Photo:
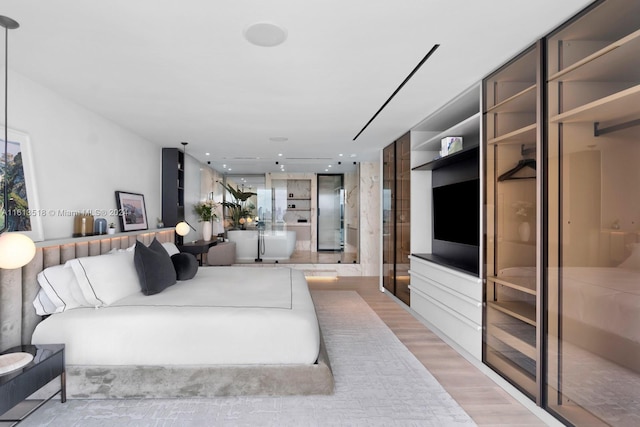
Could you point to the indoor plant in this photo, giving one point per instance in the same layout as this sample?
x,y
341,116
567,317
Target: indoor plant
x,y
206,212
239,210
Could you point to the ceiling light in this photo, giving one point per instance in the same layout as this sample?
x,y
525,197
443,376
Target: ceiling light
x,y
279,154
278,139
340,155
265,34
352,155
329,166
207,154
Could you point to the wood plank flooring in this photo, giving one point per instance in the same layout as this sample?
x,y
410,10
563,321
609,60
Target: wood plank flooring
x,y
486,402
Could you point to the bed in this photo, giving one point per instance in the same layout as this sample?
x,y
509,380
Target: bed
x,y
225,331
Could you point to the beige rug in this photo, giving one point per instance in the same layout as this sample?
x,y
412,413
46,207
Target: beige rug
x,y
378,383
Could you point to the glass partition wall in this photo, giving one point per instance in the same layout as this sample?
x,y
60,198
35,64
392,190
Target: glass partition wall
x,y
295,218
593,275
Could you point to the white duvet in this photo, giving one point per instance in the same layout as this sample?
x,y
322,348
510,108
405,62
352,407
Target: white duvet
x,y
224,315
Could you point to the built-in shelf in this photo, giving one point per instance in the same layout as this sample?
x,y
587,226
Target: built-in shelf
x,y
616,107
515,339
441,162
521,102
523,284
523,135
518,309
617,60
514,372
467,129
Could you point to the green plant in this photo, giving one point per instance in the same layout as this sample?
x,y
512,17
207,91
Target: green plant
x,y
239,210
206,210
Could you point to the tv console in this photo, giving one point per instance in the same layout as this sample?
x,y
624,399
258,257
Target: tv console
x,y
446,286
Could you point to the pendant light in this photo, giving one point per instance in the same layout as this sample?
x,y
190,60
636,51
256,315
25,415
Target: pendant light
x,y
16,250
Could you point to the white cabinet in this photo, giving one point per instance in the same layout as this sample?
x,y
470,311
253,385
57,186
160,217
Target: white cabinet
x,y
450,301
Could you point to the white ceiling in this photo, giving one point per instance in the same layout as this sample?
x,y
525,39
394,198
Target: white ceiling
x,y
182,71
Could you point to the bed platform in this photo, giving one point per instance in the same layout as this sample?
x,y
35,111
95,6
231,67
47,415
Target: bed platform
x,y
197,363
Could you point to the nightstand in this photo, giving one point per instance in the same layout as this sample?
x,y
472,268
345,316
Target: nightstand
x,y
198,248
16,386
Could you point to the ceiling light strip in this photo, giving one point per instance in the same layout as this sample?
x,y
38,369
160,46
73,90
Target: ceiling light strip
x,y
433,49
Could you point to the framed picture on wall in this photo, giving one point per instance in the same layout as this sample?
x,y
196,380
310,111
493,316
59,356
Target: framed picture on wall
x,y
131,211
22,214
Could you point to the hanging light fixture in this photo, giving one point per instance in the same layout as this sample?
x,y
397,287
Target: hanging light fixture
x,y
16,249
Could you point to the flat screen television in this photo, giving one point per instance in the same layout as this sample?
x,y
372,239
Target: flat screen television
x,y
456,212
456,225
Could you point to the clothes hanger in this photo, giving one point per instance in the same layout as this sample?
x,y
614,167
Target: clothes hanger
x,y
522,164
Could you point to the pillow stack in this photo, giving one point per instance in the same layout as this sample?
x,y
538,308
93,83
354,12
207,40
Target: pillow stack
x,y
99,281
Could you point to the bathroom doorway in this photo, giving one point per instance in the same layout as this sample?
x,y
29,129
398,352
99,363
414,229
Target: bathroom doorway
x,y
331,200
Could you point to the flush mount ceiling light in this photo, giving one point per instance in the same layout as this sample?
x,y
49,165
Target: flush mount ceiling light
x,y
265,34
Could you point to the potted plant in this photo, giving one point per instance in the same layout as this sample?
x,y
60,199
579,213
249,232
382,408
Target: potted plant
x,y
239,210
206,212
112,228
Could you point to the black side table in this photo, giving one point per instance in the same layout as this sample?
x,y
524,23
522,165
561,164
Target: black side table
x,y
16,386
198,248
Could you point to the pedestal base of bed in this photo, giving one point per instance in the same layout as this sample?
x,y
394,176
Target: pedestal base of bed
x,y
129,382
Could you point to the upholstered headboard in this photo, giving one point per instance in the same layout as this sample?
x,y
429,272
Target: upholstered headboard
x,y
19,287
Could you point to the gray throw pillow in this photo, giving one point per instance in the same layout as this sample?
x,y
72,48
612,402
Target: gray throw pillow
x,y
154,267
186,265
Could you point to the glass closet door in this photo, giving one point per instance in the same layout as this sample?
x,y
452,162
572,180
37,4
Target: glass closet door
x,y
330,213
511,112
593,276
388,218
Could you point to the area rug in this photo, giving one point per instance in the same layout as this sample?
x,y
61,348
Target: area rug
x,y
378,382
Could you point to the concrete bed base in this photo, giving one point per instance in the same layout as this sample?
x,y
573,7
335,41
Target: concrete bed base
x,y
127,382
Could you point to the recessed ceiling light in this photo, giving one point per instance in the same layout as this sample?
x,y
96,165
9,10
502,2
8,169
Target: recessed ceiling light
x,y
340,155
279,154
207,154
224,166
352,155
329,166
278,138
265,34
326,170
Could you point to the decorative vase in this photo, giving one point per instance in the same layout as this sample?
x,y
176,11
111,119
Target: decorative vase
x,y
524,231
206,231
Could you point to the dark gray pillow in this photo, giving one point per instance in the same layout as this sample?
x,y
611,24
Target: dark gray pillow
x,y
154,267
185,264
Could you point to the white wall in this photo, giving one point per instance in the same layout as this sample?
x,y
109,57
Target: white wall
x,y
80,159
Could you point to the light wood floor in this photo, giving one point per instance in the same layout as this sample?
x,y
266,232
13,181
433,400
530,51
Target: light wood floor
x,y
482,398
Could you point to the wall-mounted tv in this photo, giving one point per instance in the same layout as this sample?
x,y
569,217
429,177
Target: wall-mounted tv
x,y
456,212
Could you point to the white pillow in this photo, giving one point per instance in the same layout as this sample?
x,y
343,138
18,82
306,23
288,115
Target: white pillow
x,y
633,262
61,289
43,304
105,279
171,248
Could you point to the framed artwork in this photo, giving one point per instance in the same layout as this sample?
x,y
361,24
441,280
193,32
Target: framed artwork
x,y
131,211
22,213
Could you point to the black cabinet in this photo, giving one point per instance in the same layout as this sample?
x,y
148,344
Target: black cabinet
x,y
15,387
172,186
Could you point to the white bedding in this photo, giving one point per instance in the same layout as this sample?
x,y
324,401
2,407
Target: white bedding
x,y
224,315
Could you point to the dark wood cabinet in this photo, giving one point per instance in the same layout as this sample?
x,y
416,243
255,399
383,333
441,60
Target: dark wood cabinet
x,y
396,217
172,186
